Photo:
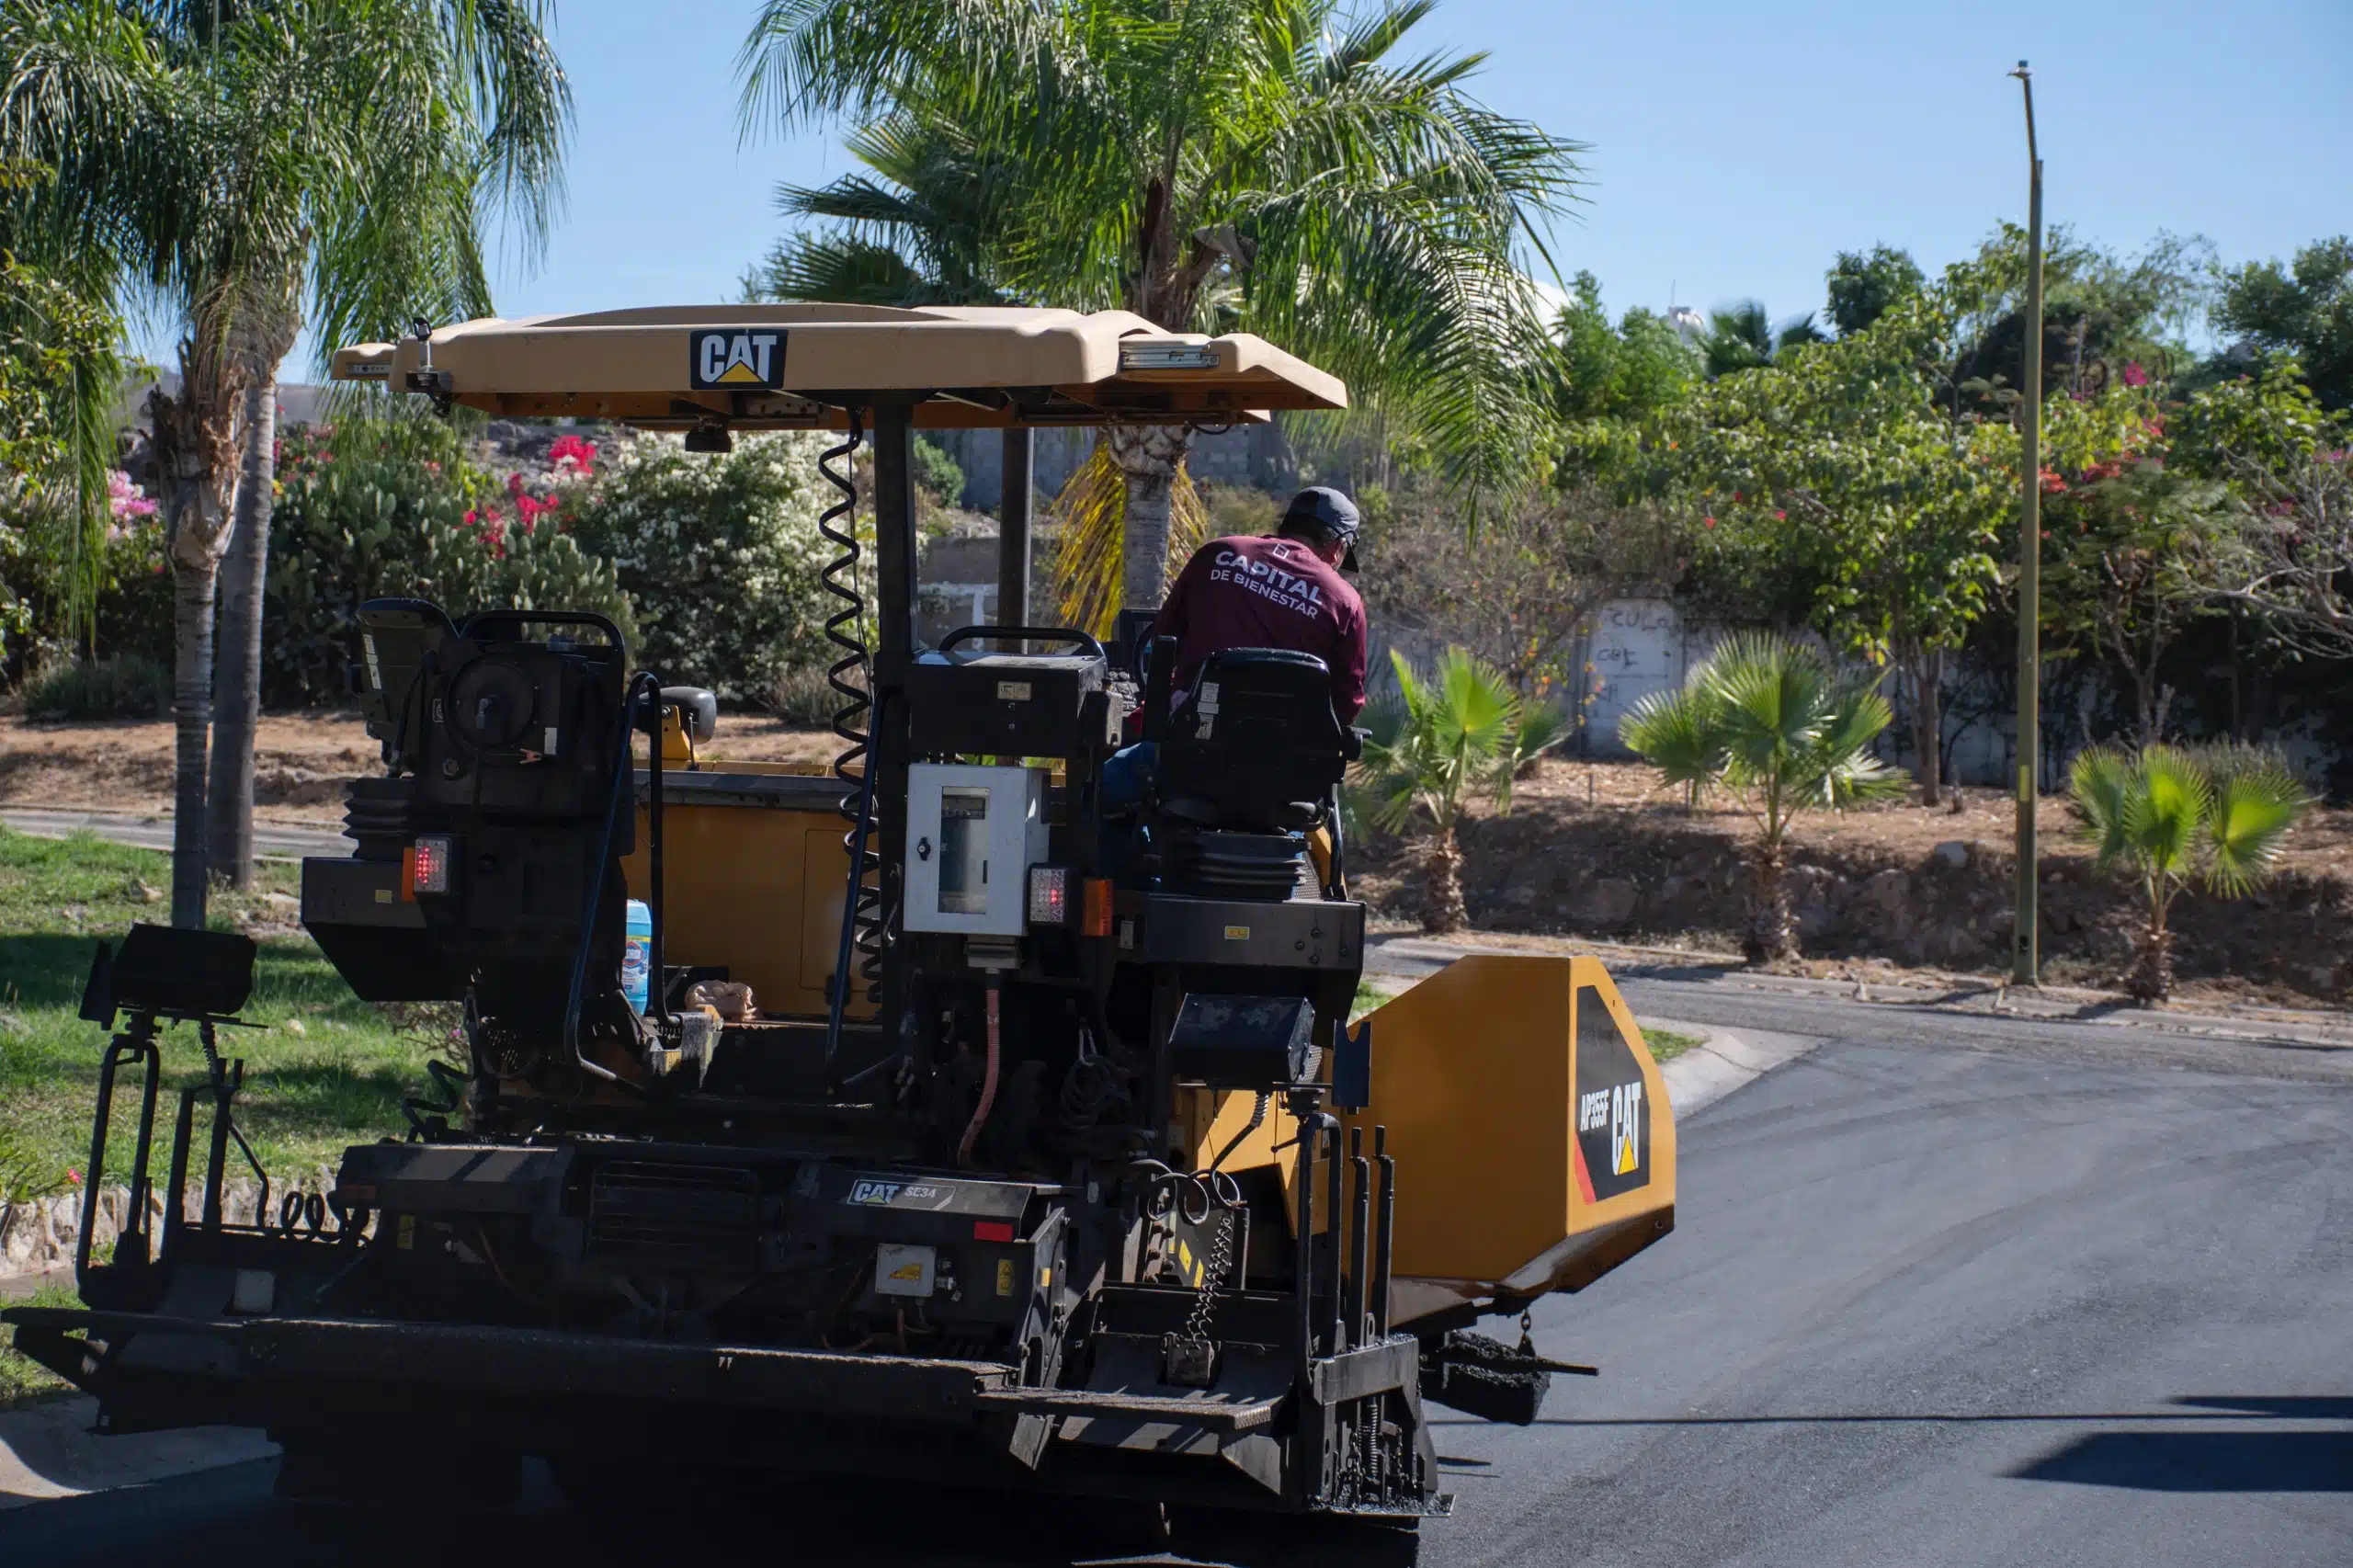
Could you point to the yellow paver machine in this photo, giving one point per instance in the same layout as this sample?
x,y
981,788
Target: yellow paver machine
x,y
949,1121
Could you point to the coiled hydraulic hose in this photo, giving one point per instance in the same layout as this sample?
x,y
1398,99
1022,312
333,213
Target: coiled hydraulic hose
x,y
845,630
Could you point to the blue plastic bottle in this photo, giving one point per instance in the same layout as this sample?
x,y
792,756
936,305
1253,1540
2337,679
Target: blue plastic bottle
x,y
637,954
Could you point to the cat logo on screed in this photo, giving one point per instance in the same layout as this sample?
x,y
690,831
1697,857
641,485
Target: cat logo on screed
x,y
736,357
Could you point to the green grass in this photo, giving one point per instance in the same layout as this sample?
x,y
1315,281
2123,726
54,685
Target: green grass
x,y
23,1382
1667,1045
326,1069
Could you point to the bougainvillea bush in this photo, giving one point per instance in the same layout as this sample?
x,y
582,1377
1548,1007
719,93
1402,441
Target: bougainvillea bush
x,y
395,507
720,554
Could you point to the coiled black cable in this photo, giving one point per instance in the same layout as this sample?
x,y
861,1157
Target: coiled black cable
x,y
845,630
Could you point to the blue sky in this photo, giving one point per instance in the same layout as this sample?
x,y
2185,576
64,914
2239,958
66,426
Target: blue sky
x,y
1735,148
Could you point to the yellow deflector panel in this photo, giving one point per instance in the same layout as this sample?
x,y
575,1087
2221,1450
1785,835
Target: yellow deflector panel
x,y
1535,1145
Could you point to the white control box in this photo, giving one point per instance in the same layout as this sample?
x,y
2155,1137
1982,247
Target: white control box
x,y
972,834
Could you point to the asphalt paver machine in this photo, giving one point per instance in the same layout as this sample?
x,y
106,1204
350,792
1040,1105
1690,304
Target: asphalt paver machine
x,y
969,1129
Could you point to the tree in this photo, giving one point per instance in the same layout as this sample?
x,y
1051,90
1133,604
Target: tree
x,y
1632,370
1776,725
2305,311
1863,287
2287,555
1440,743
1883,510
1267,165
2168,817
250,167
2128,560
1518,592
1742,337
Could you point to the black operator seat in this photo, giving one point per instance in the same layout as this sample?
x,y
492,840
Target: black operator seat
x,y
1257,749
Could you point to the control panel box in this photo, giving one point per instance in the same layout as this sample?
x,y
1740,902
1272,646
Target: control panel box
x,y
1009,704
972,834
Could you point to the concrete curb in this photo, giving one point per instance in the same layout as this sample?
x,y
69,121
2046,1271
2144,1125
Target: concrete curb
x,y
1721,1061
1418,956
48,1451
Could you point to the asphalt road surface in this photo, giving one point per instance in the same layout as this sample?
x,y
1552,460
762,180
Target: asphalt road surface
x,y
1943,1294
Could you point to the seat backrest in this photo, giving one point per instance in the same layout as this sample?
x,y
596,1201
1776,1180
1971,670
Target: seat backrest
x,y
1257,742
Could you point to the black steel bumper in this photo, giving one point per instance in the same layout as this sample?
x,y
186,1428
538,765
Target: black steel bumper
x,y
546,1392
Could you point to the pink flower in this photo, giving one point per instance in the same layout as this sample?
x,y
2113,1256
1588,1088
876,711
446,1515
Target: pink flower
x,y
125,499
74,1175
1781,517
2133,375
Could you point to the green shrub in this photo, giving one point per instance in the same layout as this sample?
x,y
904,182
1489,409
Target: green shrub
x,y
125,687
393,505
720,554
939,475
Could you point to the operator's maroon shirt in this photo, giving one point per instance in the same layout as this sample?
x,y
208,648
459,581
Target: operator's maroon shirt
x,y
1249,592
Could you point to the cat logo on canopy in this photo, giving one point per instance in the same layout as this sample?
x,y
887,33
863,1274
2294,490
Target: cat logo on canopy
x,y
735,357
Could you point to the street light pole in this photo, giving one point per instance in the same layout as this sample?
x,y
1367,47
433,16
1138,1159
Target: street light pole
x,y
2026,959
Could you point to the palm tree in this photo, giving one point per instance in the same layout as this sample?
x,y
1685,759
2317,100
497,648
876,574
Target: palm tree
x,y
1741,336
2170,815
1440,742
250,165
1209,165
1776,725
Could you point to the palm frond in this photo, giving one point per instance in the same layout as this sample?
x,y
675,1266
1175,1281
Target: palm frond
x,y
2255,800
1676,732
2166,809
1091,514
2099,782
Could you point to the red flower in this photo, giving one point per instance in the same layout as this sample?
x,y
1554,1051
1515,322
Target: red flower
x,y
515,484
1708,522
573,450
2053,485
1781,517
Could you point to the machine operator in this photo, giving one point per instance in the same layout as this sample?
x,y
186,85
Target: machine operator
x,y
1282,590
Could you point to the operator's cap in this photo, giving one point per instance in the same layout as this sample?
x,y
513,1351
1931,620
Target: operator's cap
x,y
1322,507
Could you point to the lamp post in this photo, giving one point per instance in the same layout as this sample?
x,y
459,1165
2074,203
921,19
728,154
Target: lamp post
x,y
2025,959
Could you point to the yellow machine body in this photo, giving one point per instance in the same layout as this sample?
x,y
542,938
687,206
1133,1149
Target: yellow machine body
x,y
1533,1136
751,886
1533,1131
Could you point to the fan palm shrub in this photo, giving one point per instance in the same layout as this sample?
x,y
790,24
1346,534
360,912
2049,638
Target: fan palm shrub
x,y
2168,816
1784,732
1439,744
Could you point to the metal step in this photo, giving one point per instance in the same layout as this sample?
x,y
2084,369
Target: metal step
x,y
1212,1413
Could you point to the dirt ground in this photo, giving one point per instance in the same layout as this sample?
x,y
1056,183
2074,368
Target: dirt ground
x,y
1607,849
299,764
1600,849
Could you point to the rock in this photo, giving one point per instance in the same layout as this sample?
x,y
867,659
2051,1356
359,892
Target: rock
x,y
1953,852
284,903
294,1026
1883,904
11,1024
1608,902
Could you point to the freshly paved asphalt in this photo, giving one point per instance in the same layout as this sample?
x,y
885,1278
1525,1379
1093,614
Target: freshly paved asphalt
x,y
1947,1291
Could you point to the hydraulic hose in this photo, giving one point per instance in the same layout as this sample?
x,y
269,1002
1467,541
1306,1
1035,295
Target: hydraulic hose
x,y
862,916
988,1084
